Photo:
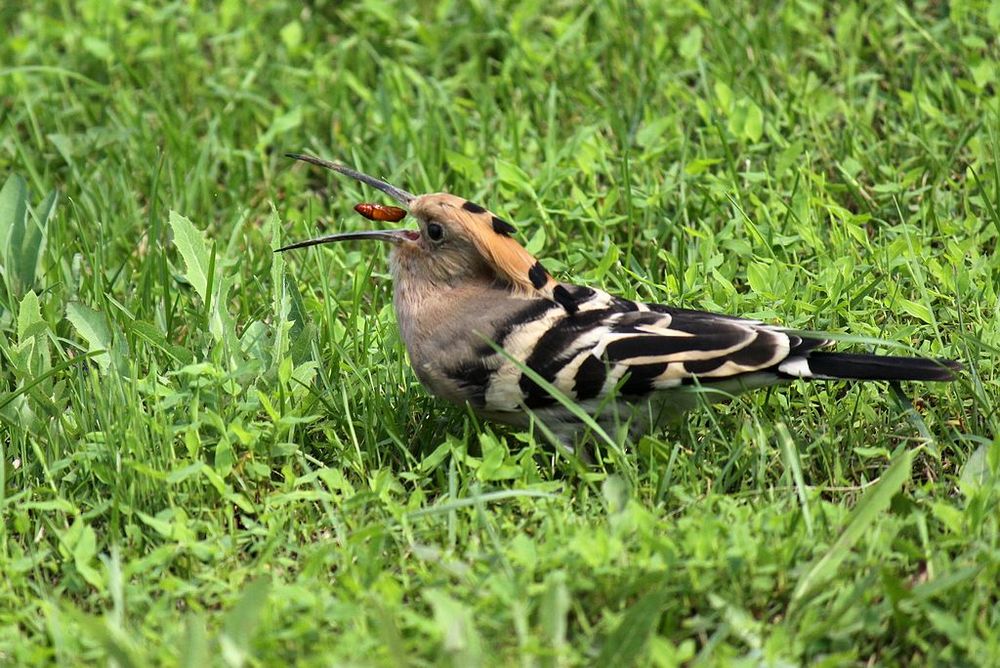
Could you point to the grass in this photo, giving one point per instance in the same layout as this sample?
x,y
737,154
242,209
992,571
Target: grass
x,y
213,452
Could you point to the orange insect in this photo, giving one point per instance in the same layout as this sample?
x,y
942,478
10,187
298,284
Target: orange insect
x,y
381,212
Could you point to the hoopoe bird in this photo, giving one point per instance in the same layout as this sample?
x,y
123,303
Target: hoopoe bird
x,y
475,310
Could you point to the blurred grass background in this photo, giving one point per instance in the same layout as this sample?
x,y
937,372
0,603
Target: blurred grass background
x,y
211,453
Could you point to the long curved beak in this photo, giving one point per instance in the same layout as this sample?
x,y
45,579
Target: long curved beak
x,y
392,191
392,236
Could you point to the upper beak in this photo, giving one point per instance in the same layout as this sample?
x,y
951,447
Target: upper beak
x,y
392,236
397,194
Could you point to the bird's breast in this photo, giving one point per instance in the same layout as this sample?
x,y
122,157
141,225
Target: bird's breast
x,y
452,336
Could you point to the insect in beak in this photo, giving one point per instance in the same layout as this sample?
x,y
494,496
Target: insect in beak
x,y
393,214
370,211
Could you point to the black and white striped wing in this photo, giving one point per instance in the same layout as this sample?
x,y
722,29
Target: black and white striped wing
x,y
638,348
656,350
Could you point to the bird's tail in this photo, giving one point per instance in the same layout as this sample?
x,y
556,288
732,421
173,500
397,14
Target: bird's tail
x,y
851,366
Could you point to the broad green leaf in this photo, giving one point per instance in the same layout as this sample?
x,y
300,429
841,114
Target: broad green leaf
x,y
537,241
302,332
92,326
86,548
747,120
788,158
625,644
241,621
224,457
689,45
655,132
984,72
297,310
455,622
65,145
98,48
724,95
162,527
742,623
431,461
241,501
950,516
221,323
554,611
256,342
607,261
759,278
281,125
193,247
753,128
874,502
151,334
917,310
616,493
181,474
29,317
22,236
700,166
111,638
195,651
291,35
513,175
470,168
25,257
13,209
32,345
976,471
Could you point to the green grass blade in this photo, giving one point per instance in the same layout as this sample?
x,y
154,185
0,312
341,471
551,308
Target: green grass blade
x,y
874,502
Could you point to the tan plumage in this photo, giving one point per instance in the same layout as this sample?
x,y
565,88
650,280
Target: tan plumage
x,y
475,309
489,235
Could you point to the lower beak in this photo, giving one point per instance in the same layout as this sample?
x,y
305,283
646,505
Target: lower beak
x,y
392,236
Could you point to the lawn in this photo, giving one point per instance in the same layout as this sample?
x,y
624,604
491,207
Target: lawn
x,y
214,453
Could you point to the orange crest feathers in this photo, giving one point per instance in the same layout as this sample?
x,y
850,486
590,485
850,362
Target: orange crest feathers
x,y
491,237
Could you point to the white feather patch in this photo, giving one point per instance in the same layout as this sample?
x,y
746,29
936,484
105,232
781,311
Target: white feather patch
x,y
504,391
796,366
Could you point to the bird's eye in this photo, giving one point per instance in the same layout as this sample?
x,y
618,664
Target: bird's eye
x,y
435,232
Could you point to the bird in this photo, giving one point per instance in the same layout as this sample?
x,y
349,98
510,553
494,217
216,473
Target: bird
x,y
486,325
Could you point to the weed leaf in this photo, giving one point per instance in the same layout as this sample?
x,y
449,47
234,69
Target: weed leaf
x,y
92,326
193,247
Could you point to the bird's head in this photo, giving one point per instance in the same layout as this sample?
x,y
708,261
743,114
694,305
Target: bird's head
x,y
456,241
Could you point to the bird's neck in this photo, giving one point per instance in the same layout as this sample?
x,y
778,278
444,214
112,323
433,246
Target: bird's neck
x,y
423,306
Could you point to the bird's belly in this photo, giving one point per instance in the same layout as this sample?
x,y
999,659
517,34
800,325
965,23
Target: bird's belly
x,y
635,415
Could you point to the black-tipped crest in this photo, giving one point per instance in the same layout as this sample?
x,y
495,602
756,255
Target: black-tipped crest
x,y
538,276
501,226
